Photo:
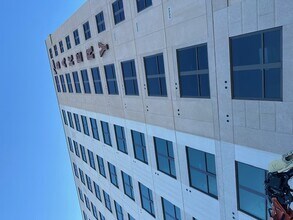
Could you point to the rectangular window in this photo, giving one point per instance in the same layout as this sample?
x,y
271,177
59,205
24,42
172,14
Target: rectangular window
x,y
56,50
68,43
97,191
120,139
256,65
76,37
97,80
80,194
87,30
202,171
107,201
61,46
113,174
129,77
170,211
87,202
83,153
75,170
85,125
119,211
64,117
69,84
111,79
127,185
118,11
147,202
193,72
155,75
76,120
84,216
101,216
63,83
76,149
101,166
165,156
139,146
143,4
70,119
89,183
94,128
57,84
130,217
85,80
251,190
91,159
100,22
106,133
70,144
51,54
95,212
81,176
76,82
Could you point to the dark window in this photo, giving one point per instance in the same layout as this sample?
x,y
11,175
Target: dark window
x,y
202,171
76,149
111,79
76,120
95,212
107,201
87,202
56,50
139,146
51,54
64,117
129,77
61,46
85,80
84,216
89,183
57,84
76,37
80,194
91,159
143,4
119,211
97,191
94,129
193,71
81,176
170,211
130,217
76,82
106,133
69,84
83,153
68,43
146,196
70,119
113,174
75,170
85,125
120,139
251,190
165,156
97,80
101,166
100,22
118,11
70,144
256,65
87,30
63,83
101,216
155,75
127,185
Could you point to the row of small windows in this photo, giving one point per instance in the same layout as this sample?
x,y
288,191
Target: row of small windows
x,y
118,14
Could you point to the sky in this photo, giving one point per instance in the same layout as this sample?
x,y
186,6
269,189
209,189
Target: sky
x,y
36,180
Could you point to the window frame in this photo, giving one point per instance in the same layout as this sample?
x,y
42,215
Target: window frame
x,y
106,133
68,42
144,7
126,185
97,81
94,127
101,25
113,175
85,81
150,199
76,37
112,79
87,30
144,148
122,149
175,209
132,78
119,15
91,159
69,82
76,121
107,200
101,166
85,125
76,82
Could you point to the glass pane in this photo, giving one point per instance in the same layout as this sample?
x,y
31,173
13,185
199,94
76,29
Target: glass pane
x,y
129,87
272,46
151,65
189,86
169,210
202,56
204,85
186,59
198,180
196,159
161,146
213,185
163,164
273,84
161,64
139,153
172,167
211,167
154,87
127,69
163,86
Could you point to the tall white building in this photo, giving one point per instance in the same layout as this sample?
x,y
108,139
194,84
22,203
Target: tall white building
x,y
173,109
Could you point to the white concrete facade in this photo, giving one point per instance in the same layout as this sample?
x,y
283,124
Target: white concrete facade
x,y
249,131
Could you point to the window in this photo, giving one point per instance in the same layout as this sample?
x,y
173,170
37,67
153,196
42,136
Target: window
x,y
94,209
85,125
64,117
119,211
56,50
107,201
143,4
75,170
170,211
129,77
202,171
85,80
63,83
193,72
61,46
70,144
139,146
120,138
76,149
97,191
84,216
113,174
76,120
70,119
251,190
69,84
130,217
127,185
83,154
76,82
81,176
57,84
87,30
51,54
118,11
101,216
87,202
91,159
94,128
106,133
80,194
68,44
76,37
111,79
155,75
146,196
256,65
97,80
101,166
89,183
100,22
165,156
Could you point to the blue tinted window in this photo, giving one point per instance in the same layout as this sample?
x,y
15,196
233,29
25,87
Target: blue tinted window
x,y
76,37
97,191
76,82
68,44
118,11
89,183
87,30
85,125
101,166
57,84
76,120
51,53
80,194
95,212
107,201
97,80
130,217
170,211
87,202
143,4
102,217
81,174
120,139
127,185
56,50
106,133
85,80
64,117
100,22
129,77
83,153
69,84
111,79
75,170
63,83
119,211
146,196
113,174
70,144
70,119
91,159
139,146
76,149
61,46
94,128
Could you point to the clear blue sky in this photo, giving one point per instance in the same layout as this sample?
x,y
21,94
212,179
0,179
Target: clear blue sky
x,y
36,181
